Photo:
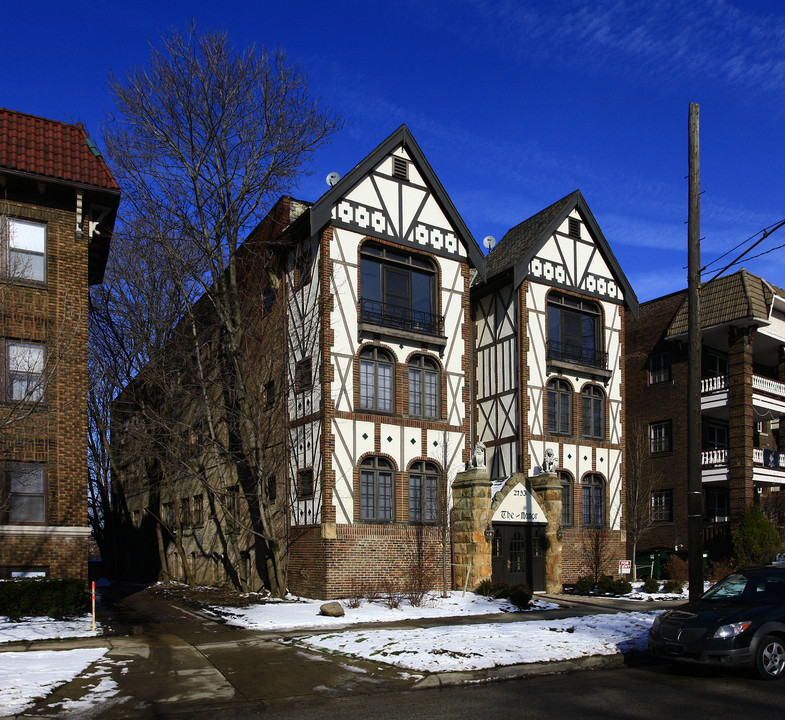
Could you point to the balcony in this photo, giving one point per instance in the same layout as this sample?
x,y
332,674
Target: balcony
x,y
585,361
768,396
387,319
768,466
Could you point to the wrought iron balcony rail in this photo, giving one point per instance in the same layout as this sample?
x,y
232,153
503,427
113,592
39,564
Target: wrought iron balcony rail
x,y
400,317
576,354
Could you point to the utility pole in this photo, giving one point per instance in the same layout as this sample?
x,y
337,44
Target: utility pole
x,y
694,495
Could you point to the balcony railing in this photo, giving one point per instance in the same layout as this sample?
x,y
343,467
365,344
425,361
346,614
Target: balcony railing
x,y
576,354
761,384
400,317
765,458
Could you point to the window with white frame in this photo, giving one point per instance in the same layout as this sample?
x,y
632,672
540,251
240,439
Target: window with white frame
x,y
661,436
659,368
25,371
23,497
423,493
376,489
376,380
424,387
26,250
662,506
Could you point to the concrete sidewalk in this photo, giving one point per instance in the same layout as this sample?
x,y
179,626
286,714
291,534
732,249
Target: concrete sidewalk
x,y
167,660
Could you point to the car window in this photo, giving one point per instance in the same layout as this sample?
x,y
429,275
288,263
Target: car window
x,y
759,589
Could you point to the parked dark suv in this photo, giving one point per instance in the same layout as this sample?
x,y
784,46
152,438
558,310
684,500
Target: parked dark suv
x,y
738,622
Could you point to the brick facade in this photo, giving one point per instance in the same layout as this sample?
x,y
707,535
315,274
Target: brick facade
x,y
49,311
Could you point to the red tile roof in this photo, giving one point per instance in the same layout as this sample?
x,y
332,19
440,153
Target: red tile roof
x,y
50,149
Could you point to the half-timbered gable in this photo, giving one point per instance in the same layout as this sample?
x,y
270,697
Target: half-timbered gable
x,y
548,324
385,321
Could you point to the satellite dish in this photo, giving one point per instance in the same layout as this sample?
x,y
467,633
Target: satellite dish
x,y
489,241
333,178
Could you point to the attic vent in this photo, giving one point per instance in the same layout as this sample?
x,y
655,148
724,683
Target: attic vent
x,y
575,227
400,168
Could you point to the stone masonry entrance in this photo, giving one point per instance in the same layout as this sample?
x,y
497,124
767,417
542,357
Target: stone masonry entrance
x,y
518,555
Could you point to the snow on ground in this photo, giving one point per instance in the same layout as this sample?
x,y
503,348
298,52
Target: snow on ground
x,y
475,647
25,676
301,613
44,628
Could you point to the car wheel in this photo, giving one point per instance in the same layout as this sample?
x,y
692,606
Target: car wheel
x,y
770,658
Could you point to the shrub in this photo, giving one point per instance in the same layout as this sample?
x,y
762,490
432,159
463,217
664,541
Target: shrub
x,y
672,586
521,596
650,585
585,585
622,587
718,569
676,569
608,586
35,597
605,585
393,594
495,590
756,540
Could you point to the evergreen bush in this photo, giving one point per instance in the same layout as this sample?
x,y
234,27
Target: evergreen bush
x,y
756,540
31,597
520,596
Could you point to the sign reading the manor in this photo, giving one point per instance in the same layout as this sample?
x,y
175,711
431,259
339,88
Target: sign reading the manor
x,y
520,506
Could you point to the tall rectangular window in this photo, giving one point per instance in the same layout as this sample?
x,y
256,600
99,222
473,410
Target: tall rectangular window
x,y
23,500
424,390
376,489
423,493
662,506
661,436
26,250
659,368
25,371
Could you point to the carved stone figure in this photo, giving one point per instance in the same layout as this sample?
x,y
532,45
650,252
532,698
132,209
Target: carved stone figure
x,y
549,461
478,457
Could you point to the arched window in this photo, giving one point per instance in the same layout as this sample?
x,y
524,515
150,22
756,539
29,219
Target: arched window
x,y
423,493
593,500
424,387
566,498
376,379
593,401
376,489
560,407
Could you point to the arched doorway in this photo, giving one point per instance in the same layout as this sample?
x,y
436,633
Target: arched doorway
x,y
518,555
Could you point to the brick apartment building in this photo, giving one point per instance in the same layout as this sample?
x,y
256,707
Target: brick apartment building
x,y
58,203
742,403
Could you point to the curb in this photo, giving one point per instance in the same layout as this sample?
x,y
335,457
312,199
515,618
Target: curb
x,y
511,672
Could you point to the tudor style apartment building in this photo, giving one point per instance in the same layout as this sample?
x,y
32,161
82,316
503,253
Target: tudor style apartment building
x,y
742,405
58,202
399,349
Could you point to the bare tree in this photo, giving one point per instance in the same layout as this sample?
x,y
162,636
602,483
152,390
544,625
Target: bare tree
x,y
204,139
597,547
641,481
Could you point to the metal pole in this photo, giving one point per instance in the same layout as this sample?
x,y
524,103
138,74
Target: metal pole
x,y
694,496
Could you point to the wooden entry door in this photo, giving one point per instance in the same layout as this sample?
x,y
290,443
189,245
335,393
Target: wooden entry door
x,y
518,555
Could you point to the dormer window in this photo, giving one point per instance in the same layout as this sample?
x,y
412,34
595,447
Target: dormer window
x,y
398,290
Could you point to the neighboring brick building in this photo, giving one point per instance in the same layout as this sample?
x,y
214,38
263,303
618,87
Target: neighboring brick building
x,y
58,203
742,403
549,341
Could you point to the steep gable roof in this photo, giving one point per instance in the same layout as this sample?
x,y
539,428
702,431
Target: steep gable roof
x,y
728,299
519,244
50,149
321,210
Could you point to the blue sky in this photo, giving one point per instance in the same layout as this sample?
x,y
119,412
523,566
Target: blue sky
x,y
515,104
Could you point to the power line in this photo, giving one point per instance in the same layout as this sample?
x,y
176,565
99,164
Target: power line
x,y
766,232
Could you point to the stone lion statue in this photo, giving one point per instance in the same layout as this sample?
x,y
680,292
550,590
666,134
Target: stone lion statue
x,y
478,457
549,461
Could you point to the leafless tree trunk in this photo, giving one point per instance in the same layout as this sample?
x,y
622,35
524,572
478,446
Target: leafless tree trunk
x,y
204,139
596,547
641,481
